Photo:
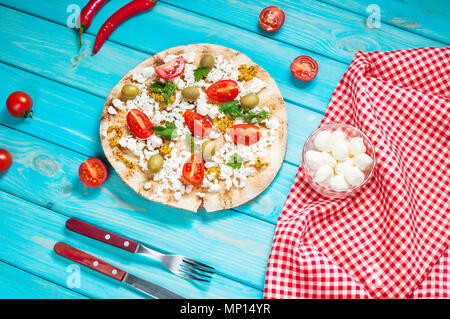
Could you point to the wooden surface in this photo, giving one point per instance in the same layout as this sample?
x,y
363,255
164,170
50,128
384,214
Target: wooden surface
x,y
39,55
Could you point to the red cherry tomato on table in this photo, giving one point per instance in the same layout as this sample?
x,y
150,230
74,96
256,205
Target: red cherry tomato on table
x,y
139,124
223,91
5,160
197,124
171,69
271,18
92,172
304,68
194,169
19,104
245,134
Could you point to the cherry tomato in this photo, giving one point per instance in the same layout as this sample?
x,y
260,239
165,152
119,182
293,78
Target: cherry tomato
x,y
92,172
223,91
139,124
304,68
197,124
194,169
245,134
19,104
5,160
271,18
171,69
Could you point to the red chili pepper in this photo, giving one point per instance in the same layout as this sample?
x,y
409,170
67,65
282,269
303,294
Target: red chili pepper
x,y
124,13
88,13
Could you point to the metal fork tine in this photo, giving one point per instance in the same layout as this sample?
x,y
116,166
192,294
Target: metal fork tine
x,y
184,275
190,265
196,263
189,270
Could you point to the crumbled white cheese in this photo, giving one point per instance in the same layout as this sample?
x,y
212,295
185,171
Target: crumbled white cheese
x,y
147,186
112,110
273,123
118,104
189,57
199,194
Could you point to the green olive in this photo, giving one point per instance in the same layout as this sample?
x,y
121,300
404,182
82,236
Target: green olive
x,y
155,163
250,100
207,61
191,93
129,91
208,150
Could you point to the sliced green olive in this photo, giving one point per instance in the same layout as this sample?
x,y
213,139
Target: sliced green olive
x,y
191,93
249,101
207,61
155,163
208,150
129,91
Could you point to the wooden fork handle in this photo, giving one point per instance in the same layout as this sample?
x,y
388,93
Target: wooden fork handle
x,y
89,261
102,235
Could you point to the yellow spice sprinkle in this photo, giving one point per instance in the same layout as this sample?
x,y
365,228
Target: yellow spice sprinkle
x,y
159,97
223,123
127,162
260,164
165,150
213,170
247,73
117,136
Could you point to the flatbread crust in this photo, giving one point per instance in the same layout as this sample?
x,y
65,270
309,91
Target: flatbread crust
x,y
135,178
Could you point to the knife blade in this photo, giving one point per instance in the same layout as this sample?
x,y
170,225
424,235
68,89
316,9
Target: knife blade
x,y
149,288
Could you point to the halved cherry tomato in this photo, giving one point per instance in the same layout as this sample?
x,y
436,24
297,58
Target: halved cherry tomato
x,y
304,68
271,18
245,134
5,160
171,69
197,124
223,91
139,124
194,169
93,172
19,104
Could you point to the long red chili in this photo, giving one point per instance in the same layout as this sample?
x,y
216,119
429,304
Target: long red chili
x,y
87,14
124,13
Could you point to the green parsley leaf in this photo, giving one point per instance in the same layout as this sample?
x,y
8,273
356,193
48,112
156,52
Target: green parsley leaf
x,y
232,108
235,161
257,117
168,89
166,132
201,73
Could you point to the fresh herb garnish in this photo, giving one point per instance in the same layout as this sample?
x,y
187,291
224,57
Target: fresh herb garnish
x,y
166,132
235,161
234,109
190,141
167,89
201,73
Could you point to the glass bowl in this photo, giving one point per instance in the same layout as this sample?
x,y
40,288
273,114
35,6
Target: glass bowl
x,y
349,131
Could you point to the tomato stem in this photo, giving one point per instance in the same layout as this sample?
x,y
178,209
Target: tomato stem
x,y
27,114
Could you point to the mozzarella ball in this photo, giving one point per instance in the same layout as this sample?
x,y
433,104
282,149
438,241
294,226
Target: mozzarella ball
x,y
323,174
328,159
353,175
314,160
362,161
338,182
322,142
340,166
356,146
340,150
337,135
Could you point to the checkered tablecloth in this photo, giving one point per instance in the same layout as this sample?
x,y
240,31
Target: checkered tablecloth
x,y
391,239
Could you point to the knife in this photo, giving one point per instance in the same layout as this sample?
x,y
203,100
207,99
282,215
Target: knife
x,y
104,268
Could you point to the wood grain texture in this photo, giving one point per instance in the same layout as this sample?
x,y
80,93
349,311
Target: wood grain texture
x,y
18,284
428,18
42,228
237,245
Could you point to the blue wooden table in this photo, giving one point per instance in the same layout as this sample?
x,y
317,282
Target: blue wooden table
x,y
39,55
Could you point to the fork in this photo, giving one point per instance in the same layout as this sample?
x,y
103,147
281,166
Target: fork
x,y
177,264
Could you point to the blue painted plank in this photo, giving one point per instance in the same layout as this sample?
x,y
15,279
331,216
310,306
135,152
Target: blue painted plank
x,y
29,42
16,283
236,244
28,243
427,18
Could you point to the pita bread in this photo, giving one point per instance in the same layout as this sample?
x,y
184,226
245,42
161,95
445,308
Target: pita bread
x,y
136,178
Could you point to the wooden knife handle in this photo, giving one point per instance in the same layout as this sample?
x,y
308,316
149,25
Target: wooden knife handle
x,y
102,235
87,260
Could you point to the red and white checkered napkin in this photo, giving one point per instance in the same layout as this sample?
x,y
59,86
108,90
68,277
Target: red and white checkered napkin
x,y
391,239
